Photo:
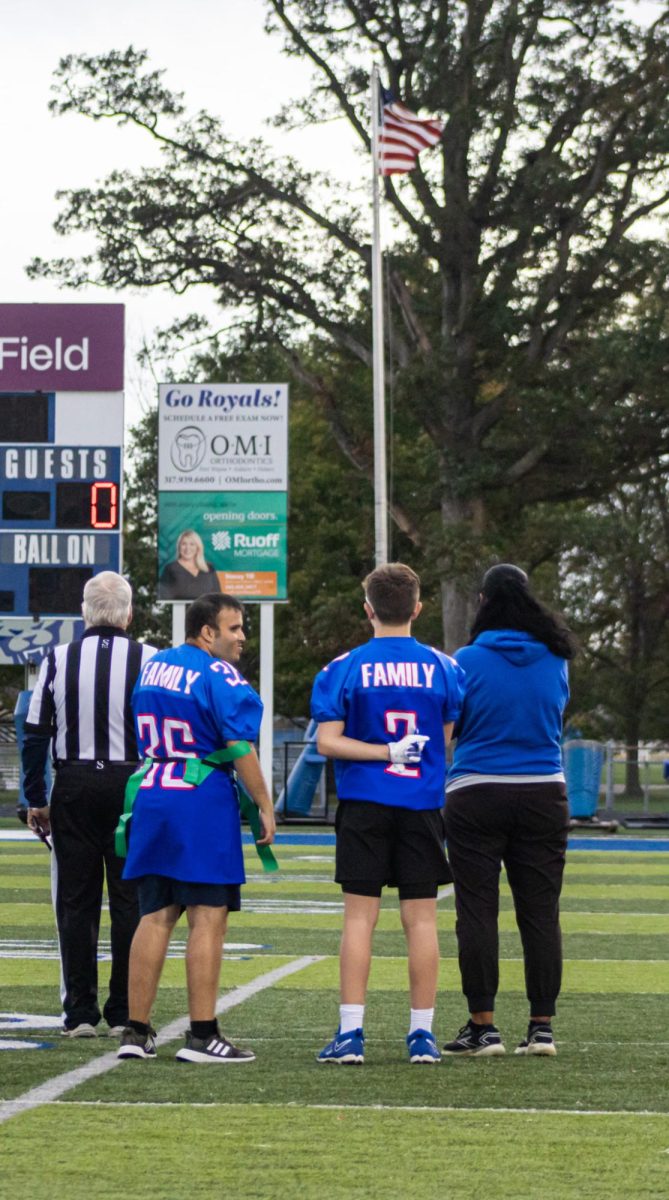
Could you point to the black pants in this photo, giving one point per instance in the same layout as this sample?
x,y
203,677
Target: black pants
x,y
86,803
525,827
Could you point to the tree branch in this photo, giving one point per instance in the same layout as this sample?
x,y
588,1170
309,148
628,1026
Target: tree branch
x,y
349,448
526,463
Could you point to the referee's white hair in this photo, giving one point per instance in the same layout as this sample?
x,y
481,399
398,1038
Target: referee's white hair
x,y
107,600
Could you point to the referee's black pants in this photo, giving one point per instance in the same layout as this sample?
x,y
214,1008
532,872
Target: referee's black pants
x,y
86,803
525,827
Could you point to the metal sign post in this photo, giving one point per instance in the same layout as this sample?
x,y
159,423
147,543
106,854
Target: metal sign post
x,y
178,624
267,690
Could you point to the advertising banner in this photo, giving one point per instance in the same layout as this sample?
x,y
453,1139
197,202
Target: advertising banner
x,y
219,437
222,490
61,347
244,541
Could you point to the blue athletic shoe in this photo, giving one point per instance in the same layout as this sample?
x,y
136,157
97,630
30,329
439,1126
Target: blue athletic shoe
x,y
423,1047
345,1048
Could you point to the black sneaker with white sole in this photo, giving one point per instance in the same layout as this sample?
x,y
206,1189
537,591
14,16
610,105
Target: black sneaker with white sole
x,y
476,1041
214,1049
539,1041
137,1045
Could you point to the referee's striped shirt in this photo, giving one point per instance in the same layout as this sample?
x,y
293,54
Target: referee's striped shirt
x,y
82,697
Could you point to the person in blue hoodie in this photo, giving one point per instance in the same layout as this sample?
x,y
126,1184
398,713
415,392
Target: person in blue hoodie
x,y
506,803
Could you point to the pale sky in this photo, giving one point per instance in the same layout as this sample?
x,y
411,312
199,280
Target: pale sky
x,y
215,51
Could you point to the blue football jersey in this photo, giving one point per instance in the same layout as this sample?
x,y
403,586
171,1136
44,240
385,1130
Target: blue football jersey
x,y
188,705
382,691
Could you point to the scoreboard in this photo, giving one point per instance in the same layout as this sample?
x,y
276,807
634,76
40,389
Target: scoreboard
x,y
60,500
60,476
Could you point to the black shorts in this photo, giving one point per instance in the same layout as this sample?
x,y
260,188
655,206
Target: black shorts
x,y
380,845
159,891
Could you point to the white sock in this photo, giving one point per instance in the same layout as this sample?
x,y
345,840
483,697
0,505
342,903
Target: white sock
x,y
421,1018
351,1017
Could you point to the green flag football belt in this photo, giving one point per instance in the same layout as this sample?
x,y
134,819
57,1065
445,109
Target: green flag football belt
x,y
195,773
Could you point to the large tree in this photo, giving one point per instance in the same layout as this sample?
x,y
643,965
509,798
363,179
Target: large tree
x,y
520,368
616,583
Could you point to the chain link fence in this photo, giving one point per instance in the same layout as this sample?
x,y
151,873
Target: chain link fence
x,y
635,780
9,761
303,799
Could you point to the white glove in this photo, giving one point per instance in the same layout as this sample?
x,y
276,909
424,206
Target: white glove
x,y
409,749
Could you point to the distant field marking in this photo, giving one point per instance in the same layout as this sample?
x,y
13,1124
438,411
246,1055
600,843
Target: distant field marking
x,y
320,858
406,1108
11,951
625,845
47,1093
604,912
565,912
290,881
445,891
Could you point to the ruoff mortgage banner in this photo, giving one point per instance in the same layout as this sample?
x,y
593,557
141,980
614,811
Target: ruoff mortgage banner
x,y
222,499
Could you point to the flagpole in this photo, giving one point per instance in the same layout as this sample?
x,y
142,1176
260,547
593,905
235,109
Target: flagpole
x,y
380,471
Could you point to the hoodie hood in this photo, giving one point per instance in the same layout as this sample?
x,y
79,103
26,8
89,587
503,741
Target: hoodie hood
x,y
514,645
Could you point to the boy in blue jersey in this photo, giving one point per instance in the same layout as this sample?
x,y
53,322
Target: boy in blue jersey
x,y
385,712
186,847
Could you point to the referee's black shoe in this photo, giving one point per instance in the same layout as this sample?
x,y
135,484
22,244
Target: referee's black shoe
x,y
476,1041
137,1045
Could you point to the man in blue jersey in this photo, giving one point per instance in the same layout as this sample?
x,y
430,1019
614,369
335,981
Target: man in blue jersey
x,y
185,846
385,712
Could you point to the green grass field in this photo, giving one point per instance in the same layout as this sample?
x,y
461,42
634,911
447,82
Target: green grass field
x,y
590,1123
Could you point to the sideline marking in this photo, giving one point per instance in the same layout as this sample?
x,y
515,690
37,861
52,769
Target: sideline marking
x,y
445,891
47,1092
9,1044
24,1022
596,844
405,1108
46,950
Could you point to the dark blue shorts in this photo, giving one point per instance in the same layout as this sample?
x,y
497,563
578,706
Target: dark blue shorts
x,y
158,891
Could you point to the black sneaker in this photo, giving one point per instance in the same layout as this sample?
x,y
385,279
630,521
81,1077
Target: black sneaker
x,y
215,1049
539,1040
137,1045
477,1040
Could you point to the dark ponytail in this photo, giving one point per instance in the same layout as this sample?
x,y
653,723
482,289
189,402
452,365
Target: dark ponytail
x,y
507,603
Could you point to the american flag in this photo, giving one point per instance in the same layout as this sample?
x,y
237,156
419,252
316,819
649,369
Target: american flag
x,y
403,135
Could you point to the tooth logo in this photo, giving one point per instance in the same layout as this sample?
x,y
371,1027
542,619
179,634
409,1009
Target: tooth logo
x,y
188,448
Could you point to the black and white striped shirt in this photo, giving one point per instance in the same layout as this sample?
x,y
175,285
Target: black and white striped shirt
x,y
82,697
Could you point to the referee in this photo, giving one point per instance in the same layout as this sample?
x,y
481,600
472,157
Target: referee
x,y
82,702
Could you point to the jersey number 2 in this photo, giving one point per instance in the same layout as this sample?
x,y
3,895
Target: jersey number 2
x,y
399,724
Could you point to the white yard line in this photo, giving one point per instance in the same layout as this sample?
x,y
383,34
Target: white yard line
x,y
47,1093
297,908
404,1108
244,952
